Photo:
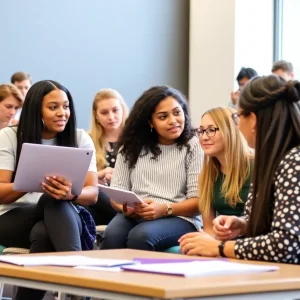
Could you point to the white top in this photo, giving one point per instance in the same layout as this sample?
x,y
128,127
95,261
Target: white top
x,y
8,150
170,178
18,114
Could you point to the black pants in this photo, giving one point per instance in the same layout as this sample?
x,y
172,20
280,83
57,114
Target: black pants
x,y
50,225
102,212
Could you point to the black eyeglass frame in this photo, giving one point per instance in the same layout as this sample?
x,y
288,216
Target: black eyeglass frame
x,y
200,132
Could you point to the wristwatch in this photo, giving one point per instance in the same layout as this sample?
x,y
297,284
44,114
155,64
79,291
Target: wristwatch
x,y
169,210
74,198
221,248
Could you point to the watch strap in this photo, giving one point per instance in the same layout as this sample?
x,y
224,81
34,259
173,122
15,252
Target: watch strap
x,y
169,210
74,198
221,248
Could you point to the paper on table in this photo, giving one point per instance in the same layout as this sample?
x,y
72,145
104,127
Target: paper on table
x,y
171,260
66,261
111,269
200,268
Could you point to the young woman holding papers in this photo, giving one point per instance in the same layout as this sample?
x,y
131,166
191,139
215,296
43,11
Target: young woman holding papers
x,y
159,160
45,222
108,120
268,115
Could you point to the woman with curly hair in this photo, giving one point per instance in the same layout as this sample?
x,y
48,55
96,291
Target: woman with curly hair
x,y
159,159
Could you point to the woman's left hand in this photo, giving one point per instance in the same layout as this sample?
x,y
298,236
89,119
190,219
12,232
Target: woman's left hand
x,y
59,188
150,210
199,243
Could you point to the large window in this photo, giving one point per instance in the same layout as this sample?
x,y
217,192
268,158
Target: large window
x,y
289,33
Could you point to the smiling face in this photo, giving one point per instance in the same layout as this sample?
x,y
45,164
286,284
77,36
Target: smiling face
x,y
109,114
55,113
8,108
168,121
212,146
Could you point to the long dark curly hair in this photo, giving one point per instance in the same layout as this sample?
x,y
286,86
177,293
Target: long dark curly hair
x,y
137,137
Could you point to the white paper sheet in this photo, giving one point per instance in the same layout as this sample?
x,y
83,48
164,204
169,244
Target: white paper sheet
x,y
66,261
111,269
201,268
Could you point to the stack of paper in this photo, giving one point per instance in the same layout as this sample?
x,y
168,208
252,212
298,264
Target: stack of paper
x,y
65,261
200,268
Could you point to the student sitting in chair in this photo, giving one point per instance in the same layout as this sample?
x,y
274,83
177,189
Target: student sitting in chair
x,y
269,119
11,101
108,120
45,222
159,160
225,178
23,82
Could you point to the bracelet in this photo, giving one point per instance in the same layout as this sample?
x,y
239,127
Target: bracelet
x,y
221,248
74,198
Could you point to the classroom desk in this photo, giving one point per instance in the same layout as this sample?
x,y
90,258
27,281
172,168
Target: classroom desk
x,y
280,285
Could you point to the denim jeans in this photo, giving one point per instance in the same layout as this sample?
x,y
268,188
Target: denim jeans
x,y
155,235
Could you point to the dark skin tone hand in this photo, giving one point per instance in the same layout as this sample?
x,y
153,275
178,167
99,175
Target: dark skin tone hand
x,y
58,188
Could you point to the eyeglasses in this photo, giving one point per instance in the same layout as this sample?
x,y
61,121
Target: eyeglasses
x,y
210,132
236,117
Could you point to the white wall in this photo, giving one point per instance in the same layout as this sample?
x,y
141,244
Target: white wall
x,y
211,65
225,36
290,32
254,35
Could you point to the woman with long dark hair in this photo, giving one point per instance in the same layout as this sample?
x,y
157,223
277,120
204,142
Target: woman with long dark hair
x,y
159,159
54,220
269,118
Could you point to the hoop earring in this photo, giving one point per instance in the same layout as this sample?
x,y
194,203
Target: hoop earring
x,y
43,123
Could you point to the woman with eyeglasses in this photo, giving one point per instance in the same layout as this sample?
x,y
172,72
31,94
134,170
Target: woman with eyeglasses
x,y
269,118
225,177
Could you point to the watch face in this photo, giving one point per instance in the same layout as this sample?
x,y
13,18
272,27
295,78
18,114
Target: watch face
x,y
169,210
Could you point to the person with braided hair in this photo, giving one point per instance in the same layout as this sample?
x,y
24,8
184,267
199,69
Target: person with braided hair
x,y
269,230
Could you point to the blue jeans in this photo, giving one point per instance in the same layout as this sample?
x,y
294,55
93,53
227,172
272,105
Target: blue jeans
x,y
155,235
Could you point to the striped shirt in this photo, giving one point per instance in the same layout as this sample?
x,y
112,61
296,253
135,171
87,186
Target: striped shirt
x,y
170,178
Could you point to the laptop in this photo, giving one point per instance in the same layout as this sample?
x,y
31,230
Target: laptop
x,y
38,161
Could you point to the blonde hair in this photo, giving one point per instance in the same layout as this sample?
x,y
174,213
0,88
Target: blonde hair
x,y
7,90
237,158
97,132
